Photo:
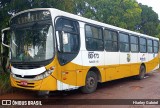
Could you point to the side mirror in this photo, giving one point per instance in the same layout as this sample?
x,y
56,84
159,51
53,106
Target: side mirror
x,y
65,38
3,35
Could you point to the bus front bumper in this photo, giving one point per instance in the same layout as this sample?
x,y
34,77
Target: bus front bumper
x,y
46,84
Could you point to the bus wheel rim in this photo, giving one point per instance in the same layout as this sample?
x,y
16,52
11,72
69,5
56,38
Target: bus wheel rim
x,y
91,82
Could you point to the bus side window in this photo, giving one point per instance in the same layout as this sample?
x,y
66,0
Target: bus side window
x,y
156,46
150,46
111,40
143,45
94,38
123,42
134,43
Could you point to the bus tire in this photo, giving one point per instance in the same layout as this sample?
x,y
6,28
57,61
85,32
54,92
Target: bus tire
x,y
142,72
90,83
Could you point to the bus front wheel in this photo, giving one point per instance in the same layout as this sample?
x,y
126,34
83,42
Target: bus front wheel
x,y
142,72
90,83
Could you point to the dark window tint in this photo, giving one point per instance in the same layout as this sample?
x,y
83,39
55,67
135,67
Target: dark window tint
x,y
111,40
156,46
143,45
94,40
66,25
134,43
150,46
123,42
68,40
68,35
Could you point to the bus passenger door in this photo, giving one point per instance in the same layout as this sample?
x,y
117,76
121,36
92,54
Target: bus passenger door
x,y
68,46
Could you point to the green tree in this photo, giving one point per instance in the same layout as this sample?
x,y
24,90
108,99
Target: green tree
x,y
149,21
122,13
4,18
158,29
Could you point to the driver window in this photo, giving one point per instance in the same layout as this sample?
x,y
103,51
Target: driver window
x,y
67,35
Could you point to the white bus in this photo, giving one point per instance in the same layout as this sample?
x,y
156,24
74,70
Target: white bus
x,y
54,50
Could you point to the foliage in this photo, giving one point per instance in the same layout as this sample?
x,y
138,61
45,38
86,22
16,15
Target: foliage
x,y
122,13
149,21
4,82
158,29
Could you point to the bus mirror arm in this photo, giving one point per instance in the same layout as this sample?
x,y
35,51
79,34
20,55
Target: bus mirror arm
x,y
6,29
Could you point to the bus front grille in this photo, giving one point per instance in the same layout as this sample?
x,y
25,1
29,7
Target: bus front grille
x,y
20,66
26,76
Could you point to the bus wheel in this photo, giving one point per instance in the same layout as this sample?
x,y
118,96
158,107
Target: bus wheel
x,y
91,83
142,72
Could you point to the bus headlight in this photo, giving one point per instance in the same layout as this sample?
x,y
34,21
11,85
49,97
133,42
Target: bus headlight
x,y
43,75
13,75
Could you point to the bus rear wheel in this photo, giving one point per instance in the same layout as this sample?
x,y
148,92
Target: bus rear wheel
x,y
91,83
142,73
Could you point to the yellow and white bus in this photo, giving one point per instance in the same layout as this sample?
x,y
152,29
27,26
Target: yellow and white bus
x,y
54,50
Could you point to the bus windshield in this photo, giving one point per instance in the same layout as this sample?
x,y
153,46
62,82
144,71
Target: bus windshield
x,y
32,43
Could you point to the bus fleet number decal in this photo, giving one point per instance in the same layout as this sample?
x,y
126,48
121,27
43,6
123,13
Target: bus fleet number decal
x,y
92,56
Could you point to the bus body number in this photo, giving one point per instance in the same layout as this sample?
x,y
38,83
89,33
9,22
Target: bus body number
x,y
92,55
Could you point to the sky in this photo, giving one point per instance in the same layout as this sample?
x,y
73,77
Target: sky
x,y
155,4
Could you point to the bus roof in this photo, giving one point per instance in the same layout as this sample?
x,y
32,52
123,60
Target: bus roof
x,y
82,19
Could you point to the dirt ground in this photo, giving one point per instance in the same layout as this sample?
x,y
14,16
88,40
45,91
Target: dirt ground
x,y
127,88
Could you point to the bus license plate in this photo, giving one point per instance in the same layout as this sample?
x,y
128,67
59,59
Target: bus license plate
x,y
25,83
